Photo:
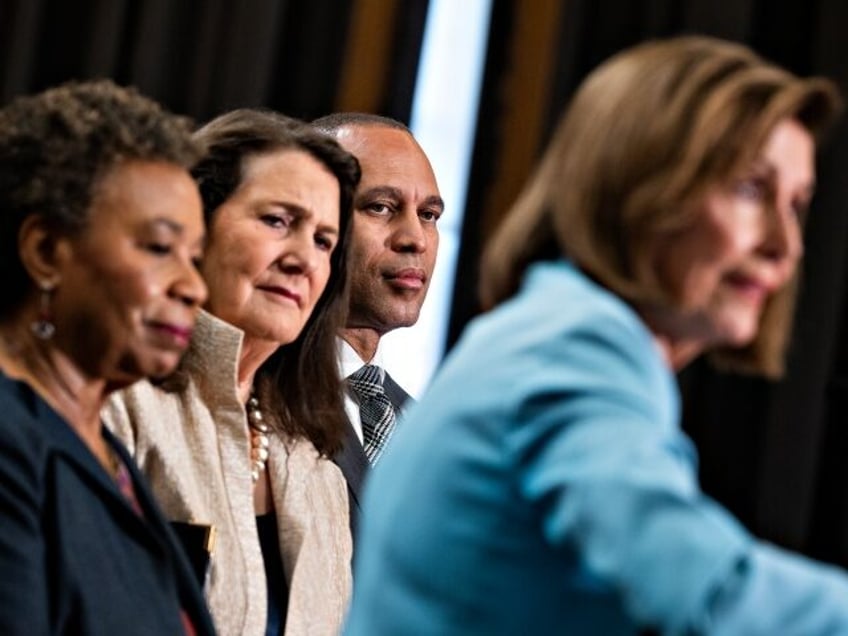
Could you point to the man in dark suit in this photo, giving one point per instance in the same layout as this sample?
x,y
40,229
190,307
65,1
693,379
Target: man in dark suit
x,y
393,248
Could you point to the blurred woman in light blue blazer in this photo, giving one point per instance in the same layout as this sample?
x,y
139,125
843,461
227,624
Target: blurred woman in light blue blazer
x,y
543,485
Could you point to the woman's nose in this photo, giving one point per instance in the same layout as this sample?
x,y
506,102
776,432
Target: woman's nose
x,y
782,235
190,286
300,253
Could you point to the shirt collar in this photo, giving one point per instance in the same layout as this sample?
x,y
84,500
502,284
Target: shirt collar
x,y
350,362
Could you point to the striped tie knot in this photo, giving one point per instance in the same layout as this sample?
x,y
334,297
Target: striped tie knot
x,y
376,411
367,382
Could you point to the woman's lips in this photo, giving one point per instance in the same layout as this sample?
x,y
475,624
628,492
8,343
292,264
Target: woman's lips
x,y
749,287
282,293
173,334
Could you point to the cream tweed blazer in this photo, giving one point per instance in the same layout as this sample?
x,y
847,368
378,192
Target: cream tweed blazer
x,y
193,446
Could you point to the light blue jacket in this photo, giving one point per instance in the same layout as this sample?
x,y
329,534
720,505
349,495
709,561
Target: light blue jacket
x,y
543,486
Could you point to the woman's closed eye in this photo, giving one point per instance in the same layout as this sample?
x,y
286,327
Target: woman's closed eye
x,y
158,248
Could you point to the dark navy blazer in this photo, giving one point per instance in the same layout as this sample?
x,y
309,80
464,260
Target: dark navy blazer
x,y
75,558
353,462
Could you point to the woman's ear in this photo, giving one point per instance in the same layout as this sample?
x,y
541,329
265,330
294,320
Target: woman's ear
x,y
39,248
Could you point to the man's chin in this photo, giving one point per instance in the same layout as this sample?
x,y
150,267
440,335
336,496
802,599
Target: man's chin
x,y
387,319
406,316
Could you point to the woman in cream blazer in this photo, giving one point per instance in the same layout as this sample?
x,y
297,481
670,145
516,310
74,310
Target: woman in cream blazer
x,y
236,445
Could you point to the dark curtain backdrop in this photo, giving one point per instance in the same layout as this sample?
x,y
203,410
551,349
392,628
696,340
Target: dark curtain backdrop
x,y
772,452
201,57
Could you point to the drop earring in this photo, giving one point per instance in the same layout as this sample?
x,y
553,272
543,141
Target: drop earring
x,y
43,326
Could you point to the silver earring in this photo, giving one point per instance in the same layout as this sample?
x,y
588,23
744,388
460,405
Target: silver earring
x,y
43,326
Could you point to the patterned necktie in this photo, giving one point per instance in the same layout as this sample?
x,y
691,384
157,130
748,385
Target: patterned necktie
x,y
375,410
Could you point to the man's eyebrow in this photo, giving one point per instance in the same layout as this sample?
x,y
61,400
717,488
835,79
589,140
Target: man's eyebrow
x,y
435,202
392,192
382,191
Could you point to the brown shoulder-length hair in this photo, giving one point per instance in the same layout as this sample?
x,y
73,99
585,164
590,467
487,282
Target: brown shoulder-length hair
x,y
300,383
645,136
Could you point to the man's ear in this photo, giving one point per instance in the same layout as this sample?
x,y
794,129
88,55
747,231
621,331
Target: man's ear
x,y
39,248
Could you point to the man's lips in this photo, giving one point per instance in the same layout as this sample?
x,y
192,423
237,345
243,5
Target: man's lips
x,y
406,278
281,293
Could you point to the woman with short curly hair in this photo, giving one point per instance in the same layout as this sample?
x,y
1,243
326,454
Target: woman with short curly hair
x,y
100,230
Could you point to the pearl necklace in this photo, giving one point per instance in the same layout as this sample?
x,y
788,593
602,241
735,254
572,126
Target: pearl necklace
x,y
258,438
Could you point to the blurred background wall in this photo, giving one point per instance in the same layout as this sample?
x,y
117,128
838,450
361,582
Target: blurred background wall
x,y
775,453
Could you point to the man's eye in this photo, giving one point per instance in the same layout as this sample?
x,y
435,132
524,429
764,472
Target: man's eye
x,y
378,208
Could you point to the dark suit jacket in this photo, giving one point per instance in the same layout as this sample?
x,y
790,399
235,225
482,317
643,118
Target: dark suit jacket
x,y
353,462
75,557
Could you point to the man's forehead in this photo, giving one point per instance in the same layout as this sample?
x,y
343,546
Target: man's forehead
x,y
389,157
376,138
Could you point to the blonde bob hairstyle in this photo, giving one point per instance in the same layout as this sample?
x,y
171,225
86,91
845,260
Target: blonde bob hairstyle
x,y
645,136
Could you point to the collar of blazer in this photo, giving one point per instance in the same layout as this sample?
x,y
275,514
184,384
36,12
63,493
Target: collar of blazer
x,y
61,443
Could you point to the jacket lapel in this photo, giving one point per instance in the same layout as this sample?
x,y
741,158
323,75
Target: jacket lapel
x,y
352,461
397,396
66,443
